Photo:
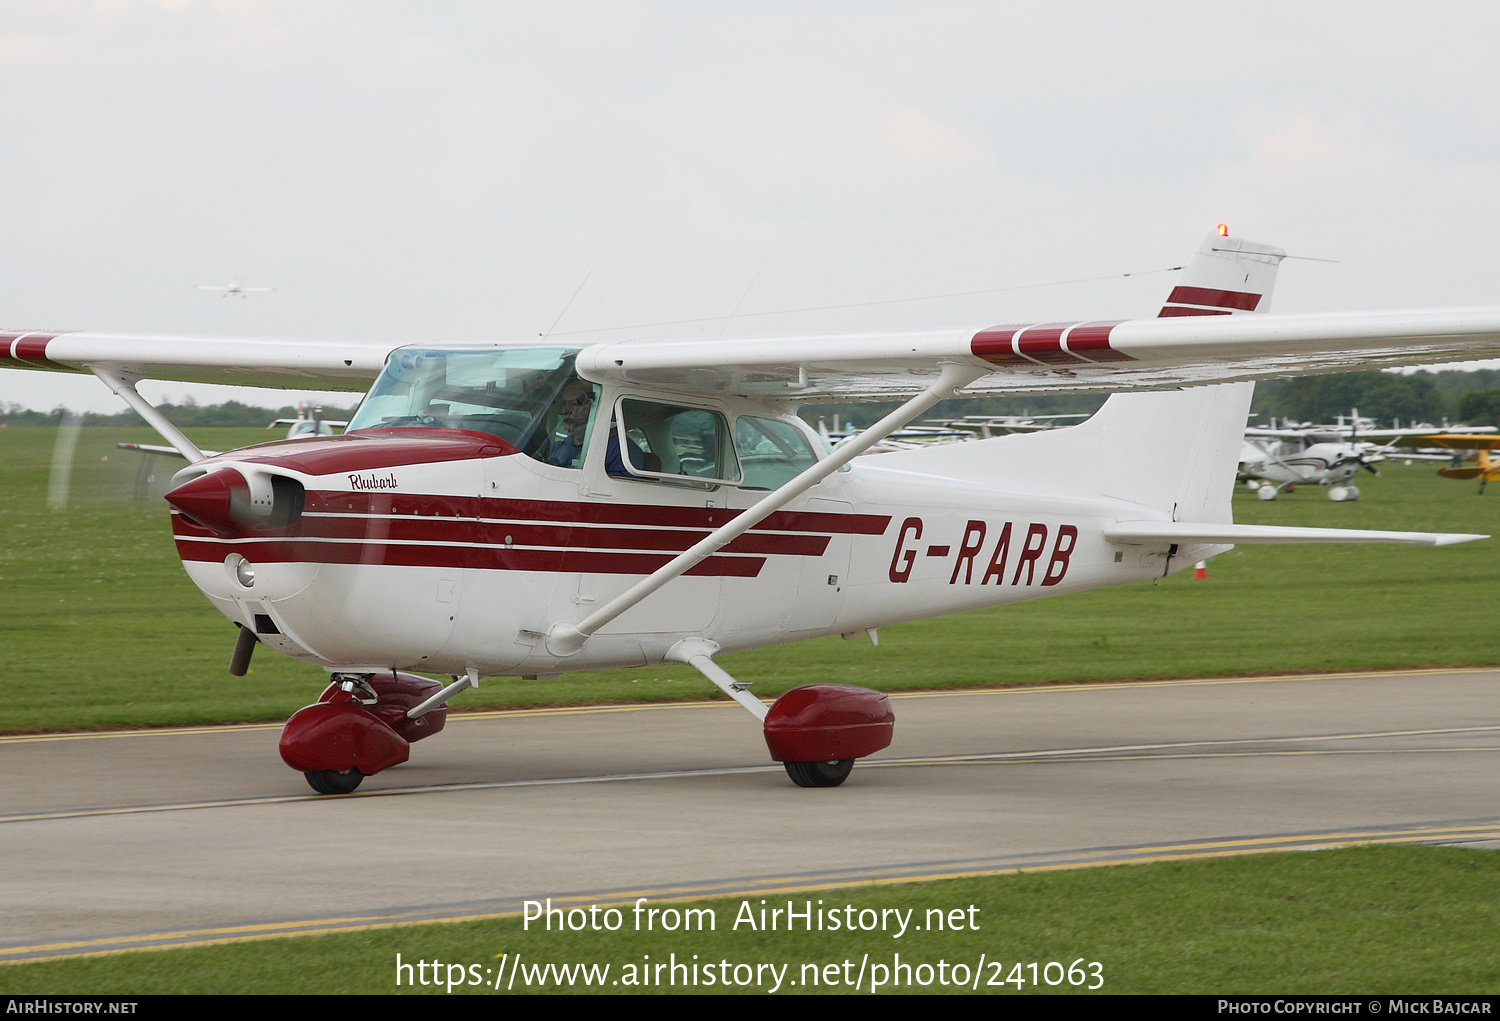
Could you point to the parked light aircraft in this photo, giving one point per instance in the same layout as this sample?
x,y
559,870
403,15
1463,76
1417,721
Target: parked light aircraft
x,y
309,422
531,508
1485,468
1282,458
1323,455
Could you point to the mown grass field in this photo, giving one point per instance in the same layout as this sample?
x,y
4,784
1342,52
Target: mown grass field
x,y
1370,920
99,626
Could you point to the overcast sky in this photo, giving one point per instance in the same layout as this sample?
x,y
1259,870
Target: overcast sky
x,y
452,171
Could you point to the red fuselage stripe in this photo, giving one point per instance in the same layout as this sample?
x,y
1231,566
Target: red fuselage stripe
x,y
531,511
375,529
490,558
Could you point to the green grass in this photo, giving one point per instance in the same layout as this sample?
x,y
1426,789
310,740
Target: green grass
x,y
100,627
1360,920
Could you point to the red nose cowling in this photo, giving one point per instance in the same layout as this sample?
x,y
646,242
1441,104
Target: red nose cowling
x,y
211,500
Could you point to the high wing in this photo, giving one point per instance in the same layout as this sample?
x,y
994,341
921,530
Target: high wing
x,y
1137,354
239,361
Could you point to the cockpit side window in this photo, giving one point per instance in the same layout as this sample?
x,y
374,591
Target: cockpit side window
x,y
672,442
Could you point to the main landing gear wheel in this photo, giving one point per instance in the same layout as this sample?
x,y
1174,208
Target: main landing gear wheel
x,y
331,781
818,774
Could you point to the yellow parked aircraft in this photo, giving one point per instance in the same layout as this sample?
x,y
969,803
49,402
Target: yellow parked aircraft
x,y
1484,468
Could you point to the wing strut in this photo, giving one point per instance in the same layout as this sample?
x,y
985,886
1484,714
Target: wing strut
x,y
126,391
565,639
698,653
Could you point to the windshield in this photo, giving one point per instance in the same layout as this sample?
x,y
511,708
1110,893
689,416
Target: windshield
x,y
514,394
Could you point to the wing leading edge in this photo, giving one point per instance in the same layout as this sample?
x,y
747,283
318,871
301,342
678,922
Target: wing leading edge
x,y
1137,354
238,361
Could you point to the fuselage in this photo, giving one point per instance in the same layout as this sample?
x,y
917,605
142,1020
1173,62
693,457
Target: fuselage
x,y
436,546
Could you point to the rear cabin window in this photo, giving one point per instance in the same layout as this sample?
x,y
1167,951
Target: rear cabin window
x,y
771,452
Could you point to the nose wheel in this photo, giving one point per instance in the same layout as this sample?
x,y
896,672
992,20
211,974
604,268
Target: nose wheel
x,y
819,774
328,781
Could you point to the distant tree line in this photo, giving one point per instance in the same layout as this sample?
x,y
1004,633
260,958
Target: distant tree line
x,y
1471,397
189,414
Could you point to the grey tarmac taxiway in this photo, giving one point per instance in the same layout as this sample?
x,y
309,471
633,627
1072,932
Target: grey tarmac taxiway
x,y
170,837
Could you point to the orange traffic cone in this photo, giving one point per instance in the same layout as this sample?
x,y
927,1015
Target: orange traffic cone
x,y
1200,571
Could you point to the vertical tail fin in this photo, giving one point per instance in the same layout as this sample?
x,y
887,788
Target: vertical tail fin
x,y
1226,276
1186,445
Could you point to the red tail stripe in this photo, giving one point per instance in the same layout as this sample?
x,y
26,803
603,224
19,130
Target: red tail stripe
x,y
1174,311
1244,301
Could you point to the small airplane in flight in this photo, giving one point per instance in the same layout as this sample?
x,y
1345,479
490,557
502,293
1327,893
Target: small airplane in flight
x,y
234,289
530,508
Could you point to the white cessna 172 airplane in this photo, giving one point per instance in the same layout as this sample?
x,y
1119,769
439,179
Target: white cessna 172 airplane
x,y
531,509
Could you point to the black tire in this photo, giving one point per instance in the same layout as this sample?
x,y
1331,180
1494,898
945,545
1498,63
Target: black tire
x,y
819,774
330,781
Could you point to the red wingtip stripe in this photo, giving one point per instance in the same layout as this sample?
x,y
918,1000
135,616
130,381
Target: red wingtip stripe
x,y
1048,344
1044,344
1090,341
995,345
25,349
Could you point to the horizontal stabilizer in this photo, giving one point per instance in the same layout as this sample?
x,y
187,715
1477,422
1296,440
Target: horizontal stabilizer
x,y
1206,533
151,448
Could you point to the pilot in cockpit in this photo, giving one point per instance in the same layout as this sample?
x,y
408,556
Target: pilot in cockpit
x,y
575,402
574,406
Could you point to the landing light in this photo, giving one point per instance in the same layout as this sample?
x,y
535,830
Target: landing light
x,y
242,569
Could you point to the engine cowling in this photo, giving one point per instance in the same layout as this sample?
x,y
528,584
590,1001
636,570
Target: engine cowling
x,y
234,499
